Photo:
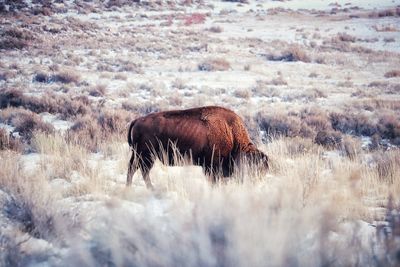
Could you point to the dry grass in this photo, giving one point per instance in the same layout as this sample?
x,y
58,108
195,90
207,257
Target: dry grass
x,y
63,194
285,200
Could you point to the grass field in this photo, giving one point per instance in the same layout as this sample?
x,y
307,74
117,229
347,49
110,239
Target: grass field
x,y
317,85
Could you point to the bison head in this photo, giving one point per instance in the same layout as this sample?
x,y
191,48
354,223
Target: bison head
x,y
256,160
259,159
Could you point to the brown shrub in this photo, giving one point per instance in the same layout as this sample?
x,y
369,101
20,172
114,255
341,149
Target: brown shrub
x,y
293,53
120,3
45,10
329,139
64,105
385,28
218,64
318,122
277,81
195,18
242,93
85,132
25,122
120,76
379,84
141,107
391,12
42,77
14,38
389,126
92,131
66,77
352,124
345,37
11,98
7,141
114,122
215,29
237,1
281,125
98,91
392,73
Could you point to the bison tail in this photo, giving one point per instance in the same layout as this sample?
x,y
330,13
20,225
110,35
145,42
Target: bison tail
x,y
130,141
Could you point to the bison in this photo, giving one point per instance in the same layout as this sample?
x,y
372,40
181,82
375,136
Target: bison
x,y
212,137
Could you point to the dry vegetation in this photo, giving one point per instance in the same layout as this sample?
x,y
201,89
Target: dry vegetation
x,y
319,93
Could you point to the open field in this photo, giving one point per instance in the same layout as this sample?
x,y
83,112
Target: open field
x,y
317,84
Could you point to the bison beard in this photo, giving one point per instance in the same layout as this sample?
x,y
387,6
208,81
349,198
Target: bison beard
x,y
212,137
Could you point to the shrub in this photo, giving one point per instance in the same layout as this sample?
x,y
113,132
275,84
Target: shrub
x,y
66,77
293,53
352,124
11,98
14,38
214,65
389,126
99,90
85,132
243,93
280,125
114,122
91,132
329,139
237,1
392,73
277,81
318,122
62,77
66,106
42,77
385,28
344,37
195,18
391,12
7,141
27,124
215,29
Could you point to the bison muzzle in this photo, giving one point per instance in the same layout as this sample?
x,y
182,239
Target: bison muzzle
x,y
212,137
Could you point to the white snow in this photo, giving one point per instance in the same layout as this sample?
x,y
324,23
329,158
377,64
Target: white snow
x,y
58,124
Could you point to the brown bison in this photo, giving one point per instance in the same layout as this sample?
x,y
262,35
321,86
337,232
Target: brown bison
x,y
212,137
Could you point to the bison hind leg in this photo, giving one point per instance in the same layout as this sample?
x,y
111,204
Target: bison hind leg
x,y
145,166
145,163
131,169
